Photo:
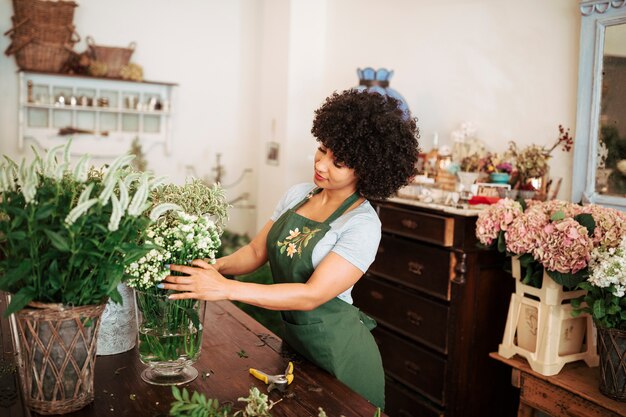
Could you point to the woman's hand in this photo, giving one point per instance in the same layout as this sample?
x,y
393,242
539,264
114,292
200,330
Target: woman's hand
x,y
202,282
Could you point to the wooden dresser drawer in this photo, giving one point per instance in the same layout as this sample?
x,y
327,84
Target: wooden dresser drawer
x,y
414,366
416,317
423,226
557,401
423,267
399,402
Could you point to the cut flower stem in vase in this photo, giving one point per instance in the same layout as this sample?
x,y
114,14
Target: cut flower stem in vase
x,y
170,336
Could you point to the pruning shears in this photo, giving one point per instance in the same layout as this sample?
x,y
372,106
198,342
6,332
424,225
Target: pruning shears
x,y
279,382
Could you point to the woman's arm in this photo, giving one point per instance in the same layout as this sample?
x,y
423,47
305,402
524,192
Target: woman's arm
x,y
332,276
248,258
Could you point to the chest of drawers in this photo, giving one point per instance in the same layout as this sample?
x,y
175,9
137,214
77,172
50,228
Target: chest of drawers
x,y
441,305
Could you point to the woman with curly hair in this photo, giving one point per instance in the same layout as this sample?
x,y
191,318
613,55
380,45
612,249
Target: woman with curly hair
x,y
321,239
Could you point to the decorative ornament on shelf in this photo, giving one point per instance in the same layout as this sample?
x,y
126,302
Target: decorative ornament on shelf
x,y
532,162
378,81
132,71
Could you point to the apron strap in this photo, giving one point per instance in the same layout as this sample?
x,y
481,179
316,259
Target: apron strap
x,y
306,198
343,207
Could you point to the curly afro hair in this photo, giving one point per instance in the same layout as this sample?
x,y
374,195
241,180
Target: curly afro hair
x,y
369,133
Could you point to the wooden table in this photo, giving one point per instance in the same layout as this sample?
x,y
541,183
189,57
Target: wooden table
x,y
228,333
573,392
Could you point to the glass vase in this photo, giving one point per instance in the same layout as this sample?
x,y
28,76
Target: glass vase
x,y
170,336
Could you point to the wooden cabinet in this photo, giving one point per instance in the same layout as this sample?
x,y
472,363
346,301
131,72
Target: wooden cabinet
x,y
109,113
441,305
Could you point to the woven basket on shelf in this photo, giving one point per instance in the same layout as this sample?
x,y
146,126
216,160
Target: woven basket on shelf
x,y
35,55
60,13
42,35
45,32
57,354
114,57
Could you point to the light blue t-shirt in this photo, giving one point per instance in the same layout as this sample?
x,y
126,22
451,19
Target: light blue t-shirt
x,y
354,236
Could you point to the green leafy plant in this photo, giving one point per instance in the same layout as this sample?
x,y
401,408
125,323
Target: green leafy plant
x,y
66,234
197,405
196,198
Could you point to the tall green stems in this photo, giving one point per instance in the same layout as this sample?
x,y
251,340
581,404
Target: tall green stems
x,y
169,330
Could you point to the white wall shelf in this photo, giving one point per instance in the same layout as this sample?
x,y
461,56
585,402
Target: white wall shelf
x,y
109,113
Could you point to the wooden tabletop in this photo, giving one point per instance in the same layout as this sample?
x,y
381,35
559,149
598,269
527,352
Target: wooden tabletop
x,y
576,378
232,343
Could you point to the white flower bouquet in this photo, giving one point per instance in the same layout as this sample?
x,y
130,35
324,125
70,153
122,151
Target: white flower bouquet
x,y
170,331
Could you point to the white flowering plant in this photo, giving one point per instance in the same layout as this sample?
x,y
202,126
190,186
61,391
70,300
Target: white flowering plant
x,y
184,230
606,286
177,239
67,233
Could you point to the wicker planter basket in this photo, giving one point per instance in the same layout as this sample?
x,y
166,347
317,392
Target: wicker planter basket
x,y
114,57
57,353
612,348
35,55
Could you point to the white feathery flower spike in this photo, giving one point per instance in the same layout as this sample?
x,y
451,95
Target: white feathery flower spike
x,y
130,178
81,170
51,162
79,210
124,198
157,182
161,209
84,196
109,186
119,163
137,204
66,152
116,215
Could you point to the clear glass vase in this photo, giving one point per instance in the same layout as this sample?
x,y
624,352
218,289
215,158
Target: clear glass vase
x,y
170,336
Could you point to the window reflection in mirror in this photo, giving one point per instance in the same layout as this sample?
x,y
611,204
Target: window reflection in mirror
x,y
611,166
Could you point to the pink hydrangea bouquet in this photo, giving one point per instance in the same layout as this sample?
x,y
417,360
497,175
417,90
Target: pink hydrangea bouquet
x,y
494,221
555,235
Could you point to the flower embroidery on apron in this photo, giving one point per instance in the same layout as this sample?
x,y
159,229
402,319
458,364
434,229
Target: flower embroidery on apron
x,y
296,241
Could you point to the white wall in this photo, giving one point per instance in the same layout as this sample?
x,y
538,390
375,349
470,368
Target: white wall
x,y
510,67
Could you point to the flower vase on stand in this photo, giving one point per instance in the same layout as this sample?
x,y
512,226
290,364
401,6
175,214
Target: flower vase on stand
x,y
540,326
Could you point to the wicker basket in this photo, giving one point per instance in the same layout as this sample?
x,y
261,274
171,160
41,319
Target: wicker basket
x,y
114,57
59,13
57,356
50,33
35,55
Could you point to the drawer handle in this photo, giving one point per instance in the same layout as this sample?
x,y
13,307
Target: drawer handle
x,y
409,224
415,267
412,367
376,295
414,318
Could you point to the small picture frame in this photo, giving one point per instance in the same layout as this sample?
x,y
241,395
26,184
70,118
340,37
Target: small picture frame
x,y
272,154
490,189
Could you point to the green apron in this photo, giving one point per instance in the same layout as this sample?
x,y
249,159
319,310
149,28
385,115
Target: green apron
x,y
336,335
